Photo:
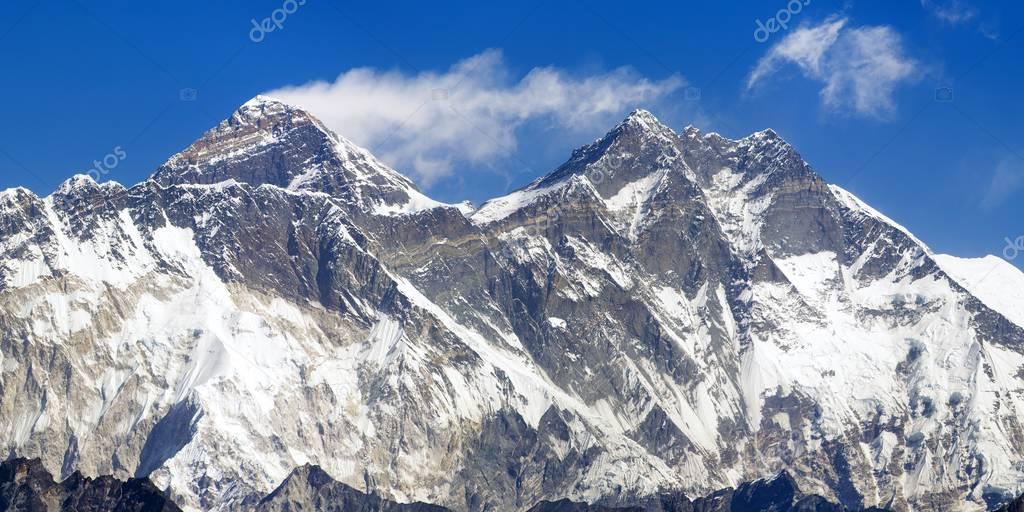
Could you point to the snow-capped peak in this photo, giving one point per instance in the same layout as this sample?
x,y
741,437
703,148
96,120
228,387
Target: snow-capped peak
x,y
269,142
14,192
241,147
76,182
641,116
269,113
643,121
81,184
261,99
767,133
15,198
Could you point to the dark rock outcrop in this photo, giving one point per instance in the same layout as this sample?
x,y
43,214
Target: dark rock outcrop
x,y
25,486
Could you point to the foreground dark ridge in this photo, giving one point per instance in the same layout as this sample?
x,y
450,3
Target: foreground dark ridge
x,y
25,486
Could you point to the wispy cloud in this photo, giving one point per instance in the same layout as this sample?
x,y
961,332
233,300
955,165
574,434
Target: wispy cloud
x,y
428,122
953,12
806,47
860,67
1007,180
962,13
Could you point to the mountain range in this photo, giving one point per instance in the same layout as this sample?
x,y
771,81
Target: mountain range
x,y
666,314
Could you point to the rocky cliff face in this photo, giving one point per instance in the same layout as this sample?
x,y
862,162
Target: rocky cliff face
x,y
666,312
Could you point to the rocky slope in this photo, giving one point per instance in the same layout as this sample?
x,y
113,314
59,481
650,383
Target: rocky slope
x,y
666,312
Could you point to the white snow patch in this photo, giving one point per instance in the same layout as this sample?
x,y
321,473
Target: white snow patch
x,y
993,280
501,207
813,275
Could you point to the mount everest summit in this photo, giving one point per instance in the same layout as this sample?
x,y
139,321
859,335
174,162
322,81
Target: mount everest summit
x,y
664,313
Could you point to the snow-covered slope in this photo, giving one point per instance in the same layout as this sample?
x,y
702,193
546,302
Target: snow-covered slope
x,y
665,311
995,281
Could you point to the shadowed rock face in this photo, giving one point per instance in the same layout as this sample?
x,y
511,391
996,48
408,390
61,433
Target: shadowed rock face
x,y
665,313
1016,505
25,486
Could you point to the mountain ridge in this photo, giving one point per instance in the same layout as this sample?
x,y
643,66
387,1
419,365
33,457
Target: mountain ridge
x,y
25,486
669,311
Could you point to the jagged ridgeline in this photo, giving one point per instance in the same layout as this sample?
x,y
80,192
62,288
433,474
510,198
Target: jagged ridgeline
x,y
666,314
25,486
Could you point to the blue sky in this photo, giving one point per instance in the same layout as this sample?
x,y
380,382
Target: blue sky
x,y
473,99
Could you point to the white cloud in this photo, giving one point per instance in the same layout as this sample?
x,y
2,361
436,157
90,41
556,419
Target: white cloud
x,y
425,123
806,47
1007,180
860,67
953,12
960,13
